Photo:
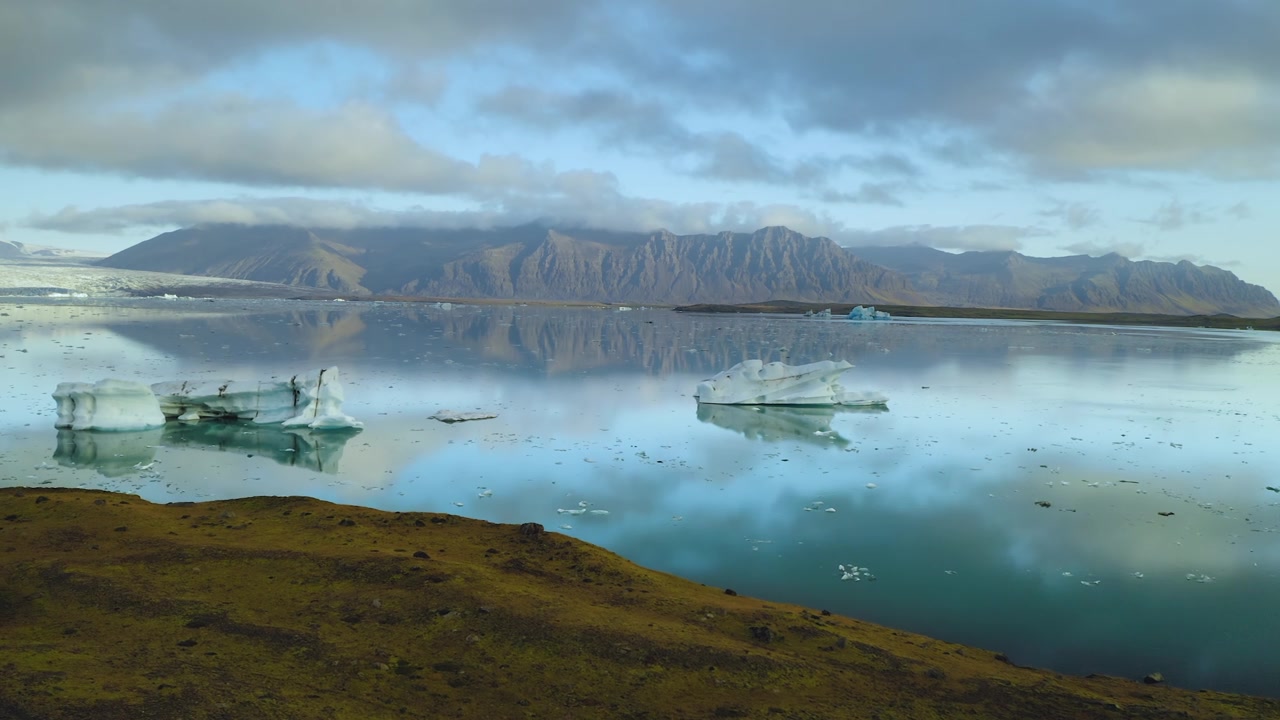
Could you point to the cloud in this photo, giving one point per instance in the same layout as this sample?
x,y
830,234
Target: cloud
x,y
56,48
1066,88
1075,216
958,237
1194,259
1129,250
1174,215
838,102
305,212
1240,211
867,193
586,203
250,142
622,120
1217,122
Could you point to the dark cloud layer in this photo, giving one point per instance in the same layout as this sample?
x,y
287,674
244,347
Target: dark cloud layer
x,y
1053,89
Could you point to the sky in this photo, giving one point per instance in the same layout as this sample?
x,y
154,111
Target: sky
x,y
1150,128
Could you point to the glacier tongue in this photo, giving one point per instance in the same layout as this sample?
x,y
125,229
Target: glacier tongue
x,y
311,400
752,382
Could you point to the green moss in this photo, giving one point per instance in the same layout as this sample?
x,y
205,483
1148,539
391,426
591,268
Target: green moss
x,y
274,608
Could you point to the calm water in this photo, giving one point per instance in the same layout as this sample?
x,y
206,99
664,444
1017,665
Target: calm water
x,y
1108,425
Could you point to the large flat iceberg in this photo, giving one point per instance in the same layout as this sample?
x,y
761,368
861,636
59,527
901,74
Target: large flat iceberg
x,y
312,400
753,382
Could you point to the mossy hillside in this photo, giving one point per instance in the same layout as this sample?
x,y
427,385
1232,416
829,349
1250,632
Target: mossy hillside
x,y
113,607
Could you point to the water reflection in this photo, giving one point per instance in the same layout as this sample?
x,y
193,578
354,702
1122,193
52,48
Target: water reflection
x,y
116,454
774,423
554,341
113,454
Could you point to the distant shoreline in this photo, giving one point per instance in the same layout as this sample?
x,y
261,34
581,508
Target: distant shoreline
x,y
246,290
1229,322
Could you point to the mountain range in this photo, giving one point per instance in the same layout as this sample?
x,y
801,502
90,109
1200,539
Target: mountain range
x,y
534,262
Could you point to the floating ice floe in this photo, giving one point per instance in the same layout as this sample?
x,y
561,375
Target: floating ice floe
x,y
753,382
868,313
311,400
453,416
115,405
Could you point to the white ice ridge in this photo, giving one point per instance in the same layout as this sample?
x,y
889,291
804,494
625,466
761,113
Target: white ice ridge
x,y
752,382
311,400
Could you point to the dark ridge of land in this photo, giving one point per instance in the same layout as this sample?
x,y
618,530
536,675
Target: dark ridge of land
x,y
918,311
115,608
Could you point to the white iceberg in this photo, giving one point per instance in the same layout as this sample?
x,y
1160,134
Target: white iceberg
x,y
310,400
115,405
867,313
752,382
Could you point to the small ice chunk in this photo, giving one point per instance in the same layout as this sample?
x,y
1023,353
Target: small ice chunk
x,y
454,416
867,313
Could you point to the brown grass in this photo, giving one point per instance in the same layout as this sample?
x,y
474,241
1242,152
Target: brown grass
x,y
113,607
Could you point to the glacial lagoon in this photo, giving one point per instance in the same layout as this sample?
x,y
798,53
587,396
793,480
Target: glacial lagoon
x,y
1081,498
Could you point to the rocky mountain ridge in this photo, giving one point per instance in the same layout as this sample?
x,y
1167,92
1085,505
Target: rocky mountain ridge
x,y
533,262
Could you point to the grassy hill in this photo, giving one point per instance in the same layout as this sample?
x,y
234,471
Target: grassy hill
x,y
113,607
